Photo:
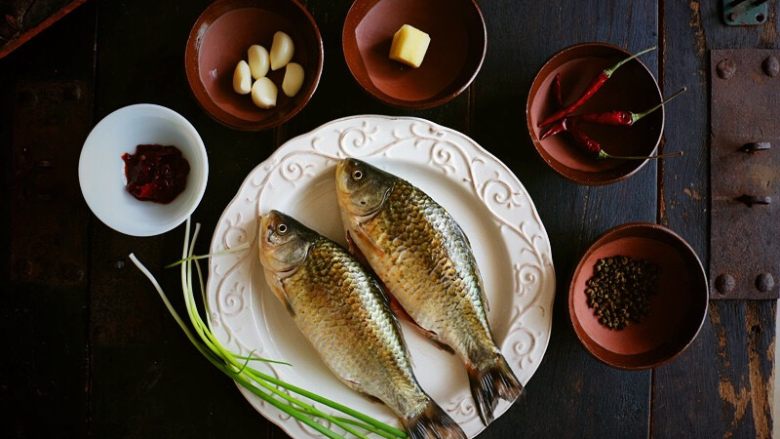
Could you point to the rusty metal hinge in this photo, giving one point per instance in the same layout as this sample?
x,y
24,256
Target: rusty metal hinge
x,y
745,174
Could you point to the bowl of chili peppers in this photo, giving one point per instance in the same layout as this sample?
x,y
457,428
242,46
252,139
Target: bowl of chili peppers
x,y
638,296
595,113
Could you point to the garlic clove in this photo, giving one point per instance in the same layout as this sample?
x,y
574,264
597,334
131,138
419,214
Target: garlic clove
x,y
258,61
293,79
242,78
282,50
264,93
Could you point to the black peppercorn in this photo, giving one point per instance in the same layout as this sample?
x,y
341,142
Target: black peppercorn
x,y
620,289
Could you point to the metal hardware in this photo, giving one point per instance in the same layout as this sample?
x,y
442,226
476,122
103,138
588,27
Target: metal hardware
x,y
726,68
744,181
725,283
765,282
745,12
755,147
771,66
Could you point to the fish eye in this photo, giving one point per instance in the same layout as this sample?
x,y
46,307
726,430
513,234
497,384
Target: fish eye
x,y
357,174
281,229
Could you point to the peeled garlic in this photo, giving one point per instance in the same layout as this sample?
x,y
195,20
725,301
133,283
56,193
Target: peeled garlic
x,y
242,79
264,93
282,50
293,79
258,61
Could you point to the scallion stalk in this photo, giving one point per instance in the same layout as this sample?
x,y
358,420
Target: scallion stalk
x,y
265,386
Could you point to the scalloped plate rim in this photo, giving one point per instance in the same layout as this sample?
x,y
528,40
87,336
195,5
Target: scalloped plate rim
x,y
285,424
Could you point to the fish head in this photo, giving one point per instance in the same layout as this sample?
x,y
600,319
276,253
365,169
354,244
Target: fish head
x,y
362,189
284,243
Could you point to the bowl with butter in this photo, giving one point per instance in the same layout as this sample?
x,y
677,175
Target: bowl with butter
x,y
413,54
254,64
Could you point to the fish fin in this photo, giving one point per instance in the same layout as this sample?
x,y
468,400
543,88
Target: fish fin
x,y
357,236
399,311
433,422
491,383
278,289
354,385
355,251
372,398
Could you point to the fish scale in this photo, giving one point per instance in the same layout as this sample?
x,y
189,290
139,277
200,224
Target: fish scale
x,y
417,231
425,260
334,299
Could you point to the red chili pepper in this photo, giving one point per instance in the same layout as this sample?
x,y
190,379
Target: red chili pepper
x,y
623,118
594,147
556,128
594,86
556,85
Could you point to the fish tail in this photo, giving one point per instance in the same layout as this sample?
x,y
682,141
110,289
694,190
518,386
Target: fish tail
x,y
433,423
490,383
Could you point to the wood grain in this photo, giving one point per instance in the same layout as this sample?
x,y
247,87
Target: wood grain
x,y
147,380
100,357
572,394
46,103
725,377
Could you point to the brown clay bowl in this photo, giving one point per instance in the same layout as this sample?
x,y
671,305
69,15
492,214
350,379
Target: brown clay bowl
x,y
631,88
677,310
454,57
220,38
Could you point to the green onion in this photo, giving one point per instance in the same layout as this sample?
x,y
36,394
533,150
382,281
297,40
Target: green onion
x,y
265,386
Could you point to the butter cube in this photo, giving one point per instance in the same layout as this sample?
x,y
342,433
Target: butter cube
x,y
409,46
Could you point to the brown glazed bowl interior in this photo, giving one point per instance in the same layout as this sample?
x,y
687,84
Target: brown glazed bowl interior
x,y
219,40
454,57
677,310
631,88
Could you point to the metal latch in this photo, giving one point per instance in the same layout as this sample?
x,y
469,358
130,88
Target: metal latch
x,y
744,12
745,174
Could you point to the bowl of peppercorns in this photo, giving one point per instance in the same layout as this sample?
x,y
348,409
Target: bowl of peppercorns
x,y
638,296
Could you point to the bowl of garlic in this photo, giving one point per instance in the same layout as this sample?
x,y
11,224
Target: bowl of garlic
x,y
254,64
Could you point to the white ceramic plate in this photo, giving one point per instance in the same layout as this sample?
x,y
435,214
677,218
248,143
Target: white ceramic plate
x,y
508,239
102,171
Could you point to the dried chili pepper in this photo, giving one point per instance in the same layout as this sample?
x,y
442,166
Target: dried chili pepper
x,y
594,147
623,118
556,85
557,128
594,86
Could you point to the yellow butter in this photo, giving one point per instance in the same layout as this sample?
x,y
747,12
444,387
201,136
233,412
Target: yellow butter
x,y
409,46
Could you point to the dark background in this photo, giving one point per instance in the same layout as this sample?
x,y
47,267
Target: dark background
x,y
89,350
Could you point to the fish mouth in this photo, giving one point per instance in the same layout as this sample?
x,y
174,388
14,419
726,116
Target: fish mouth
x,y
342,176
267,224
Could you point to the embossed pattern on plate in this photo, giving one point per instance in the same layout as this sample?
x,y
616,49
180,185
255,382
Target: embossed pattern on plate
x,y
491,205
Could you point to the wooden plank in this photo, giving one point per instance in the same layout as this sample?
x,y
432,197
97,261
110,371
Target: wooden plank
x,y
147,380
725,376
46,99
572,394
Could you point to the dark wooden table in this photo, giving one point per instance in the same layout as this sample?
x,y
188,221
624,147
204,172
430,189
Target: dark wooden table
x,y
88,349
